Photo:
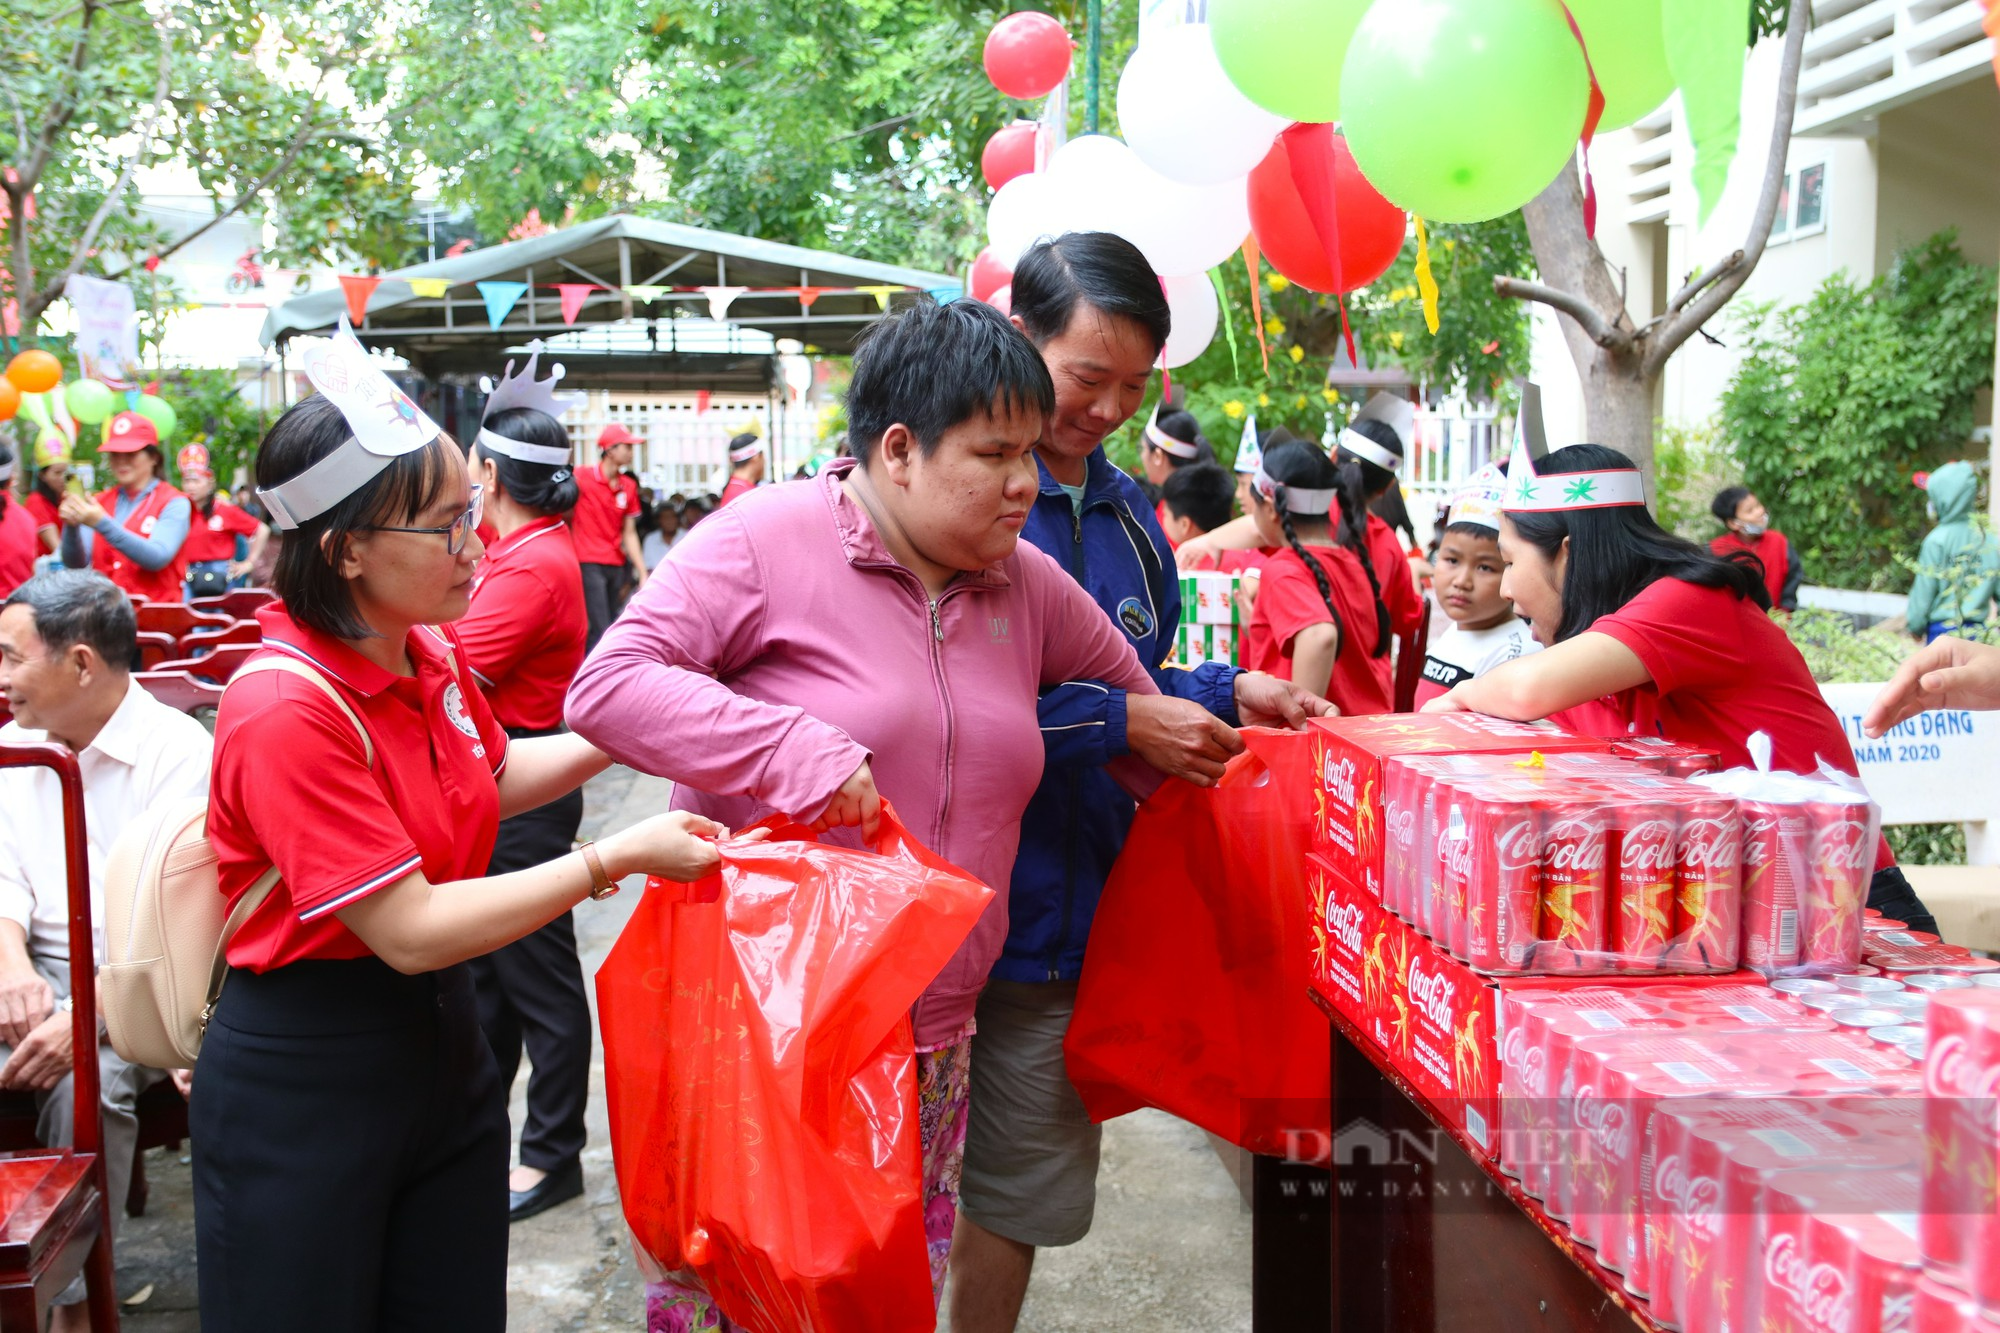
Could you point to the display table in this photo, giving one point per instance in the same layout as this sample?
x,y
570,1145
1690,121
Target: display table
x,y
1435,1237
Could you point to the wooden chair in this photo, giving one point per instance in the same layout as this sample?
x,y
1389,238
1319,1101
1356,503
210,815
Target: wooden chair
x,y
177,689
239,631
176,618
217,666
239,604
55,1220
155,647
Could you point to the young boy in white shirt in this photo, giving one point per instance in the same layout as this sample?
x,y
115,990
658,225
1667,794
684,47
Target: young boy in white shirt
x,y
1484,630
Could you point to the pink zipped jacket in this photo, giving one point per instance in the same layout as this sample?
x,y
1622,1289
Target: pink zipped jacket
x,y
780,645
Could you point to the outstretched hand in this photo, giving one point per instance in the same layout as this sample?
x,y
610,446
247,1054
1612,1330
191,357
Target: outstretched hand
x,y
1950,673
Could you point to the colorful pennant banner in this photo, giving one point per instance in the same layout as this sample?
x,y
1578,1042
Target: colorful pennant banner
x,y
500,298
358,288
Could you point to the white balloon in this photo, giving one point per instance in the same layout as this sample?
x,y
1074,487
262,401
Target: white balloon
x,y
1183,117
1191,299
1094,178
1184,228
1023,210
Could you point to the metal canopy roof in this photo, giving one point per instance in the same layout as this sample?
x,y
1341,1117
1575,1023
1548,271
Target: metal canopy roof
x,y
451,336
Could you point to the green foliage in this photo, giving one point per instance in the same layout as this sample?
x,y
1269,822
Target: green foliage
x,y
214,413
1482,340
1927,844
1839,400
1691,463
1839,654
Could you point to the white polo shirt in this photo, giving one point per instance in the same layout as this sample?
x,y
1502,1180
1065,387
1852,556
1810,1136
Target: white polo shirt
x,y
145,752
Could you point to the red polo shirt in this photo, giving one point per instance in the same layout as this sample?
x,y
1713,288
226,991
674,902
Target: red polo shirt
x,y
42,511
1288,601
291,788
19,546
524,636
214,537
735,489
1392,570
599,518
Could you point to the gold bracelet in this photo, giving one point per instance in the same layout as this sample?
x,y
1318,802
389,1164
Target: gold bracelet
x,y
602,886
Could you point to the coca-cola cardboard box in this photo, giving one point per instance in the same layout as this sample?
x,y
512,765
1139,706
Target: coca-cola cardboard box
x,y
1349,826
1357,952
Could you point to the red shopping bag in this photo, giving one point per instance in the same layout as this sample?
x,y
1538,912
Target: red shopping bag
x,y
761,1075
1194,992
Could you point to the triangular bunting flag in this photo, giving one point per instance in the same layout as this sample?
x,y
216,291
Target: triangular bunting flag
x,y
500,298
573,294
807,295
946,295
645,291
720,299
430,288
880,293
358,288
701,401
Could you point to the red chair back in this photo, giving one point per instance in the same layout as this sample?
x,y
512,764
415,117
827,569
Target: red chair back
x,y
155,647
176,618
1410,651
241,631
217,666
179,690
239,603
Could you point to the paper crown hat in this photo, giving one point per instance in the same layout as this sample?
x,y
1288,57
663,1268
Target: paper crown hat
x,y
1396,412
1529,493
385,425
525,391
1249,450
1480,500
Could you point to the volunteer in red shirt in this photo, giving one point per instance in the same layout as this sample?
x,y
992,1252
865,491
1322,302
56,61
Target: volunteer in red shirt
x,y
746,466
353,1166
18,544
133,534
605,526
44,502
523,640
1647,634
1316,620
211,545
1748,529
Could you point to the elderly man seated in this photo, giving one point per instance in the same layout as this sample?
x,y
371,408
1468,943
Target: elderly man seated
x,y
66,638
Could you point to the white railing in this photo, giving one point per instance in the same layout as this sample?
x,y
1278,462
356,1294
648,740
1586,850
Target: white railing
x,y
685,448
1454,440
1863,57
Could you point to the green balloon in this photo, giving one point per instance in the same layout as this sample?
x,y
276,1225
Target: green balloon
x,y
89,401
159,413
1628,51
1463,110
35,407
1285,55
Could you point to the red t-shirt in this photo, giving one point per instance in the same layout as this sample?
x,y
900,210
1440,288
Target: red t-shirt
x,y
1771,550
735,488
1288,601
1392,568
598,522
42,512
214,537
19,547
524,636
291,788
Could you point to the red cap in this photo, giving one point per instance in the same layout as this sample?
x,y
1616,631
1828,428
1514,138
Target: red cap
x,y
194,458
614,435
130,433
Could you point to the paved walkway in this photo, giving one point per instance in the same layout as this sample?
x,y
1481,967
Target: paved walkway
x,y
1170,1251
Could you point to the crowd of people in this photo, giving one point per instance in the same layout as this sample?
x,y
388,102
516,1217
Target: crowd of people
x,y
968,614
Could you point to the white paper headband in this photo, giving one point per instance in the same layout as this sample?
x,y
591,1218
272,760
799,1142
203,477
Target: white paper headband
x,y
1160,440
522,451
1297,499
1528,493
1364,448
747,452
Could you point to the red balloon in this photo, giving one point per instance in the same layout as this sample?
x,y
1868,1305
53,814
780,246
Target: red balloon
x,y
989,275
1027,55
1008,154
1371,228
1003,300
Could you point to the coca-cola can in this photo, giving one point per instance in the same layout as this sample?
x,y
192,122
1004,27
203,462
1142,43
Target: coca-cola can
x,y
1708,886
1643,924
1402,794
1836,891
1957,1227
1453,868
1777,854
1575,880
1505,886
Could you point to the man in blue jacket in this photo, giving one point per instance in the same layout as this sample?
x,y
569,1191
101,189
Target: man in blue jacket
x,y
1093,305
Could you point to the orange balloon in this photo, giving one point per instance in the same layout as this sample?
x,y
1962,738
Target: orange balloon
x,y
35,371
10,399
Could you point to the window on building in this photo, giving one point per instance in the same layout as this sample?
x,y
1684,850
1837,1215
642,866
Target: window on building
x,y
1801,204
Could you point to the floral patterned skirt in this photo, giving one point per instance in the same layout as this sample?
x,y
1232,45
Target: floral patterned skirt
x,y
944,1090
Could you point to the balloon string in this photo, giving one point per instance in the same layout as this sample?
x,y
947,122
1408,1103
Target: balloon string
x,y
1250,259
1592,115
1228,324
1427,285
1346,333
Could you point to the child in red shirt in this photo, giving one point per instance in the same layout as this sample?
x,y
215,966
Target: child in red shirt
x,y
1319,618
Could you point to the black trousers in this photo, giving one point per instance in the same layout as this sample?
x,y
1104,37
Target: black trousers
x,y
603,597
1889,893
351,1168
531,995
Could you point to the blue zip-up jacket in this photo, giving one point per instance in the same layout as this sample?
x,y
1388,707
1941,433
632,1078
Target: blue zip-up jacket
x,y
1077,821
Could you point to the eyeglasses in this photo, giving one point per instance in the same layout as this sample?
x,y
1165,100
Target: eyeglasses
x,y
456,531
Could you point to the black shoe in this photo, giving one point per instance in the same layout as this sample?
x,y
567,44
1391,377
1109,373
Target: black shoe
x,y
558,1186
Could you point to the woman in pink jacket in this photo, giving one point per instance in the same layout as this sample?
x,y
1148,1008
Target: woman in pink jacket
x,y
879,626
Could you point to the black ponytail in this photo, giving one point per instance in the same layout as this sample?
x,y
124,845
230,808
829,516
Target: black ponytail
x,y
1375,479
1313,566
1617,553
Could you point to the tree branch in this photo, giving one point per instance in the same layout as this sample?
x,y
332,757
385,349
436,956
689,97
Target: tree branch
x,y
1594,325
1695,285
1705,300
60,112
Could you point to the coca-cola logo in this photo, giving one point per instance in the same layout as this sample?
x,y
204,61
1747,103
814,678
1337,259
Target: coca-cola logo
x,y
1535,1071
1431,993
1337,776
1953,1071
1818,1290
1575,847
1649,848
1519,844
1710,844
1604,1119
1458,856
1343,922
1401,822
1693,1195
1758,843
1845,846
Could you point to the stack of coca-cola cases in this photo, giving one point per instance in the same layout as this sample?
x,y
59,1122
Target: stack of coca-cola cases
x,y
1575,864
1816,1154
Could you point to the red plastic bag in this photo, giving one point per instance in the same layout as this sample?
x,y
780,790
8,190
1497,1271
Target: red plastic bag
x,y
761,1075
1194,992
